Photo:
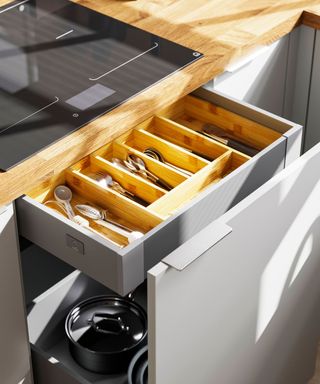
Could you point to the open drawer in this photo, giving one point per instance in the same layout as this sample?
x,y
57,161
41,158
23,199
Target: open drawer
x,y
206,178
237,303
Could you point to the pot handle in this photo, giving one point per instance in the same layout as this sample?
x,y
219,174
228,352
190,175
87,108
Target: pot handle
x,y
105,323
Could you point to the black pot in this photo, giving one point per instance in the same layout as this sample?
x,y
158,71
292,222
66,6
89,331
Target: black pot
x,y
105,332
138,368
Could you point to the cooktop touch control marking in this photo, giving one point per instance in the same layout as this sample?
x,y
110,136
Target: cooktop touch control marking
x,y
13,6
64,34
32,114
156,45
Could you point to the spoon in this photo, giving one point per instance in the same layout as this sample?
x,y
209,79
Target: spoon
x,y
120,163
133,167
155,154
140,165
99,216
106,180
63,195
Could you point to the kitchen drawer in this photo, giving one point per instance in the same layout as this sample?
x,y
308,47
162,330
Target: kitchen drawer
x,y
170,218
52,361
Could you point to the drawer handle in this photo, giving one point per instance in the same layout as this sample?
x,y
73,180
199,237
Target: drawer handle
x,y
192,249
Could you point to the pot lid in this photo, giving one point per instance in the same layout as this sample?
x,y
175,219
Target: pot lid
x,y
106,324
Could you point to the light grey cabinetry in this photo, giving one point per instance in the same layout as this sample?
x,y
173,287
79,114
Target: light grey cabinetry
x,y
312,135
14,353
300,61
282,78
240,301
259,78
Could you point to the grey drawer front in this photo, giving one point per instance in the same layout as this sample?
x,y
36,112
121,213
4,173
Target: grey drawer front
x,y
120,271
123,269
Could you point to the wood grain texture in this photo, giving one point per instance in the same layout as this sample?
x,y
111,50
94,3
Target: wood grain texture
x,y
223,30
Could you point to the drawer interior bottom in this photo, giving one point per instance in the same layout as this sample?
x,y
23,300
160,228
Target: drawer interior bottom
x,y
146,175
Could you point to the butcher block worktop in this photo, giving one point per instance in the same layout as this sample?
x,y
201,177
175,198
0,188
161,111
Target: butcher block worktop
x,y
224,30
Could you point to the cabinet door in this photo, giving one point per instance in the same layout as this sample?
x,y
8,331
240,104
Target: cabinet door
x,y
240,302
14,351
259,79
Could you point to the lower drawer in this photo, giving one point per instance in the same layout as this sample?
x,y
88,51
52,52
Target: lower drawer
x,y
51,358
217,178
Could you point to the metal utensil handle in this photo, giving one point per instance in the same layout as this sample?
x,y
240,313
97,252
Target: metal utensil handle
x,y
114,227
164,184
69,210
157,180
104,323
118,225
241,147
179,169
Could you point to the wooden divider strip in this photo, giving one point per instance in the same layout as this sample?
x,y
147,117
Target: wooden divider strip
x,y
212,173
134,184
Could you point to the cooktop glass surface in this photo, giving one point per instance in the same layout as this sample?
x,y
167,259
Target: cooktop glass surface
x,y
63,65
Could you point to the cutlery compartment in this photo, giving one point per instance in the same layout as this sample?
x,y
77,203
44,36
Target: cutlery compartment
x,y
121,151
184,137
197,114
169,218
209,175
86,190
140,140
94,173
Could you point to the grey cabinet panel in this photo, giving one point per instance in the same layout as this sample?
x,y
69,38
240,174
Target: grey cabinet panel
x,y
312,135
247,310
122,270
260,81
14,352
301,46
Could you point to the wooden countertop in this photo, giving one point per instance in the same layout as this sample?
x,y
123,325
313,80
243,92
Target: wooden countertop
x,y
223,30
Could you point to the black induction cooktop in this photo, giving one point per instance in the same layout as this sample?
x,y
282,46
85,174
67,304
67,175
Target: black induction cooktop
x,y
63,65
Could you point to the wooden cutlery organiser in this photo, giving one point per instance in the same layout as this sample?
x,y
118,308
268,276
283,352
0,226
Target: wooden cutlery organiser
x,y
190,161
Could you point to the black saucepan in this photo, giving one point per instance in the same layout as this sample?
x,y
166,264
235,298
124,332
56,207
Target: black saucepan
x,y
105,332
138,368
